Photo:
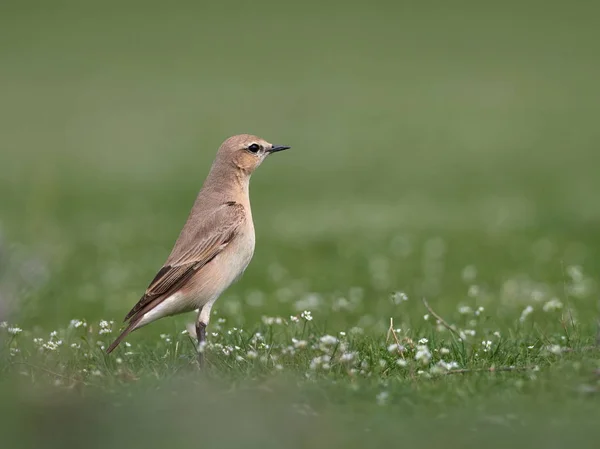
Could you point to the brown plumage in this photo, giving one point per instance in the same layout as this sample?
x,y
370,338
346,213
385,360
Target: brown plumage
x,y
215,245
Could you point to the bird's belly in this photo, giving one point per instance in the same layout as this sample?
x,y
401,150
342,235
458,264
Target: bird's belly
x,y
208,283
214,278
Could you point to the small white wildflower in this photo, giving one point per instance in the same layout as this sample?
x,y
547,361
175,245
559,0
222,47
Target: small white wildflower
x,y
347,356
423,341
470,332
525,313
251,355
75,345
328,340
278,367
487,345
38,341
444,351
119,360
423,354
77,323
50,346
399,297
3,325
575,272
479,311
342,334
382,363
128,344
465,310
552,305
393,347
14,351
401,362
294,319
554,349
299,344
426,317
315,363
497,334
97,373
382,398
307,315
268,320
14,330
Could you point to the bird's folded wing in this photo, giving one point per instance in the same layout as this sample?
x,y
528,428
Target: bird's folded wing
x,y
195,248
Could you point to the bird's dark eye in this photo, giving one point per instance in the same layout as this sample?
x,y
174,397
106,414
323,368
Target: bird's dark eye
x,y
254,148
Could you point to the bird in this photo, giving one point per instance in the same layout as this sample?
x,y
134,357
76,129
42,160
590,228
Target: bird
x,y
214,247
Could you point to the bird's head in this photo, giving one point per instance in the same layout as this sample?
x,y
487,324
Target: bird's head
x,y
247,152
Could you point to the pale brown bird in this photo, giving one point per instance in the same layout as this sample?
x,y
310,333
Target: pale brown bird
x,y
215,245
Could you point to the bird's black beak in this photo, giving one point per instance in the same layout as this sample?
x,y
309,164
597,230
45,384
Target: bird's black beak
x,y
276,148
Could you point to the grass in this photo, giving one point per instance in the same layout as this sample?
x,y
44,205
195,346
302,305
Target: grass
x,y
446,152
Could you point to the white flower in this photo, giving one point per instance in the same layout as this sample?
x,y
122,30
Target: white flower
x,y
444,351
426,317
401,362
3,325
382,398
399,297
443,366
479,311
525,313
487,345
50,346
423,355
423,341
554,349
465,310
294,319
342,334
77,323
347,356
75,345
497,334
382,363
552,305
307,315
299,344
392,348
251,355
315,363
14,330
328,340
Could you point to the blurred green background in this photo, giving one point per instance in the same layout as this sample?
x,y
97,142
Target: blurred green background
x,y
467,129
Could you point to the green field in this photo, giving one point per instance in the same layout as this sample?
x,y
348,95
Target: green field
x,y
441,150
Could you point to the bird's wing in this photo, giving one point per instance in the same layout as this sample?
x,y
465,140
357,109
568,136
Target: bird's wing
x,y
207,241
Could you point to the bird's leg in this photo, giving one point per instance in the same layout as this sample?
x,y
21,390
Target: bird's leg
x,y
201,334
201,323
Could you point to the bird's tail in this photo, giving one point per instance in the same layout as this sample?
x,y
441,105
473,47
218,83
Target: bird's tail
x,y
130,328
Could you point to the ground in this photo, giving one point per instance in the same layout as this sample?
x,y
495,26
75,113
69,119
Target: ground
x,y
444,153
